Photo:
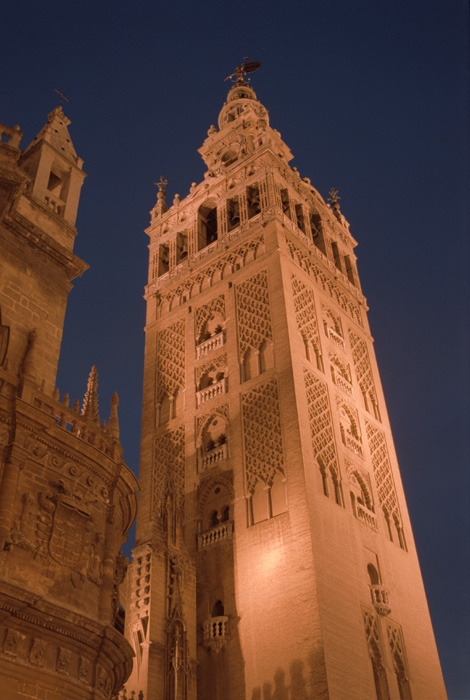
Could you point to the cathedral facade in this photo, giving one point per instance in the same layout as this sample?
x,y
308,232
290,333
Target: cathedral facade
x,y
274,554
66,497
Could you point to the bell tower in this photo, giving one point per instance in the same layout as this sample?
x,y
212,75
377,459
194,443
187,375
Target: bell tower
x,y
274,554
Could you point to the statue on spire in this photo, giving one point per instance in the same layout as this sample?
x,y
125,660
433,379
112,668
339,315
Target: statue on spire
x,y
161,207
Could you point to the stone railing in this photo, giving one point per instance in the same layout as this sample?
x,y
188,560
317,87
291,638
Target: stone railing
x,y
56,204
366,516
215,628
380,599
336,338
354,444
343,383
71,420
215,535
212,391
216,341
216,455
10,135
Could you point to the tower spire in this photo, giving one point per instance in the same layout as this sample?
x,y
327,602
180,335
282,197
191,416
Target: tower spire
x,y
90,401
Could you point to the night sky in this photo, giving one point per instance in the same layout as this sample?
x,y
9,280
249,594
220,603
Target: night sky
x,y
372,98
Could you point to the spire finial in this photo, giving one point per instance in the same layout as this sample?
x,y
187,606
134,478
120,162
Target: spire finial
x,y
238,76
334,201
113,423
161,203
90,402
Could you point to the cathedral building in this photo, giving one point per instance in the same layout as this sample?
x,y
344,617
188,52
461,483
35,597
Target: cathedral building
x,y
66,497
274,557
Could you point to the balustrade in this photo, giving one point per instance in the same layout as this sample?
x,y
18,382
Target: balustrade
x,y
212,391
366,516
215,628
354,444
336,338
216,455
215,535
216,341
380,599
343,383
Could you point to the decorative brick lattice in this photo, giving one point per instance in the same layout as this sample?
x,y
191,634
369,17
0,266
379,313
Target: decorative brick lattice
x,y
262,434
203,313
305,313
169,470
253,314
170,360
211,366
313,270
321,426
362,366
382,471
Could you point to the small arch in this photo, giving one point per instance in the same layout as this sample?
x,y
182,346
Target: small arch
x,y
373,575
218,609
207,225
249,365
277,494
259,503
266,356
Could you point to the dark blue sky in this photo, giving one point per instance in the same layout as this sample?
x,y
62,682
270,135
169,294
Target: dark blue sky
x,y
372,97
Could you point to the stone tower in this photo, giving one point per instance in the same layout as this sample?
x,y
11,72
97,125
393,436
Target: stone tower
x,y
274,555
66,497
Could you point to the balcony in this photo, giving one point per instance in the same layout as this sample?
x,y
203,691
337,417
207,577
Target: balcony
x,y
210,459
216,341
366,516
354,444
343,383
215,632
210,392
380,599
215,535
336,338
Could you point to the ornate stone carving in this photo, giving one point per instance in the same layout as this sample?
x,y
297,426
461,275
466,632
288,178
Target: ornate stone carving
x,y
64,657
253,313
262,434
37,653
12,641
211,367
170,360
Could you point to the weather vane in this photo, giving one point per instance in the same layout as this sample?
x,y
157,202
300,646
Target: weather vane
x,y
61,95
240,71
163,182
333,198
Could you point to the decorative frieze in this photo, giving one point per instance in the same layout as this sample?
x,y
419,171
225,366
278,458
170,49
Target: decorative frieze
x,y
253,313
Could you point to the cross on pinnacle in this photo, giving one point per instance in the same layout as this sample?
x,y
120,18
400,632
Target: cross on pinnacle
x,y
61,95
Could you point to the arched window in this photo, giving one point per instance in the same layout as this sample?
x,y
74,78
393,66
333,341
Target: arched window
x,y
266,356
218,609
373,575
206,225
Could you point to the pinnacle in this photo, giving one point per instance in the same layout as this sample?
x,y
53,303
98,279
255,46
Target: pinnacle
x,y
90,401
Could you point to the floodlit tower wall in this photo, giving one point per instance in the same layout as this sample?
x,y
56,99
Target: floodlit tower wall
x,y
274,552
